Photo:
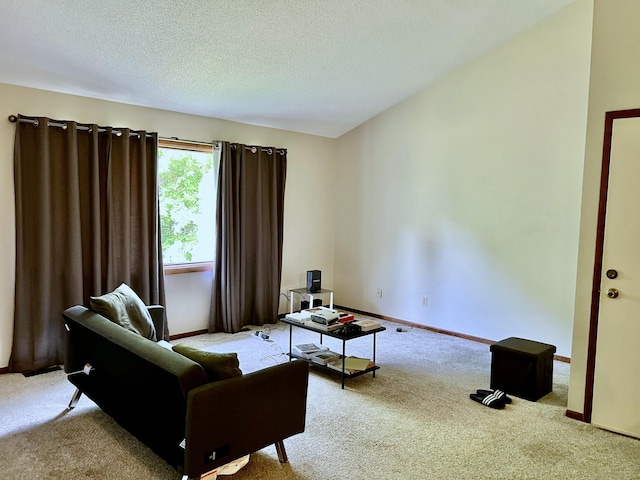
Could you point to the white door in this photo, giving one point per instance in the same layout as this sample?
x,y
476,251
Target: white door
x,y
616,394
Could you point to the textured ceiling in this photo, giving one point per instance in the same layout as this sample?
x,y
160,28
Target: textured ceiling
x,y
312,66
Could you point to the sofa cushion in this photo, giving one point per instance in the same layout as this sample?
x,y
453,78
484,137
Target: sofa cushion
x,y
124,307
217,366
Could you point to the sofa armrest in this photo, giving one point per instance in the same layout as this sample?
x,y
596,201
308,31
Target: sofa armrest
x,y
231,418
157,316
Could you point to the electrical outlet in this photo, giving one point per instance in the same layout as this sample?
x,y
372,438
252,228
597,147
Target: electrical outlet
x,y
425,301
379,293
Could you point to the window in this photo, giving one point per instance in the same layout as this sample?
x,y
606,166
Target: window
x,y
187,175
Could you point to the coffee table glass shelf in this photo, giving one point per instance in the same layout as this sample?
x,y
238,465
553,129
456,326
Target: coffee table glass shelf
x,y
293,321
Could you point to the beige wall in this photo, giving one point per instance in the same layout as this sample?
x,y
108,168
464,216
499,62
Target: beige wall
x,y
468,193
615,85
310,174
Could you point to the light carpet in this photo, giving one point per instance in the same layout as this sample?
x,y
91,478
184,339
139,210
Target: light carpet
x,y
414,420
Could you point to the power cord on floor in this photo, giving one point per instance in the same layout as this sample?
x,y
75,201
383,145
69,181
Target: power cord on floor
x,y
275,358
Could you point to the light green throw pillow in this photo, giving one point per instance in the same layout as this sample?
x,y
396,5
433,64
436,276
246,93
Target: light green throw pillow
x,y
218,366
124,307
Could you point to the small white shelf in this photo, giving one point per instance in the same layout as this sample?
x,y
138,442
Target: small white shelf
x,y
304,291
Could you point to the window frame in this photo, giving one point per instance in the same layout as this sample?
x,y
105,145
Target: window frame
x,y
192,146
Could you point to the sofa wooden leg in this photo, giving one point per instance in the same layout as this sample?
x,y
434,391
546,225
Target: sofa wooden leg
x,y
74,400
282,453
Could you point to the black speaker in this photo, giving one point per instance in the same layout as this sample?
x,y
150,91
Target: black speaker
x,y
313,281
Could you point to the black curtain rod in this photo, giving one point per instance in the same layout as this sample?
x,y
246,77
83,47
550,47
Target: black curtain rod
x,y
197,142
62,124
269,150
117,131
217,144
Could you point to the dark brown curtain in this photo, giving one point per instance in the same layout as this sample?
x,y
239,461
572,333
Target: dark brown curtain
x,y
86,221
248,262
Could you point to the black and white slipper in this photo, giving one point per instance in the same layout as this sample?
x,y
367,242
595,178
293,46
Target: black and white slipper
x,y
499,393
490,400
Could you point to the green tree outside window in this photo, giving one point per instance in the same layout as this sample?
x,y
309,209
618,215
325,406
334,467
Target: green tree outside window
x,y
187,195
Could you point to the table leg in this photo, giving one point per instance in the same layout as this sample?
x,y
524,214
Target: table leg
x,y
290,302
344,360
290,341
374,353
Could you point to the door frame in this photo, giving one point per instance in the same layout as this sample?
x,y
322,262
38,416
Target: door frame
x,y
597,264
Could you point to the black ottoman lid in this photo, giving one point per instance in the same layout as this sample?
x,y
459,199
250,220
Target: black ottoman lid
x,y
522,346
